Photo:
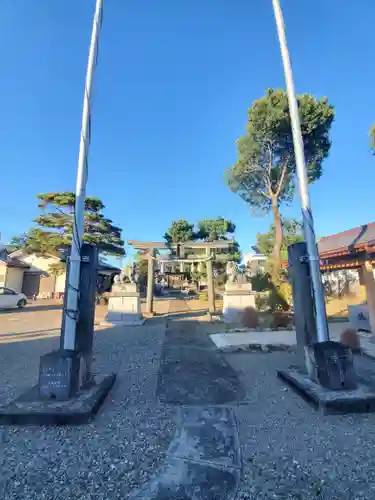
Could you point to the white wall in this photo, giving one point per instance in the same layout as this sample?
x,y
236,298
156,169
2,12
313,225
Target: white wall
x,y
39,263
3,274
14,278
254,263
43,263
60,283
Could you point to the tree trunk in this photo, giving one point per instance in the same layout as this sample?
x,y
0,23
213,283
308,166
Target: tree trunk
x,y
278,235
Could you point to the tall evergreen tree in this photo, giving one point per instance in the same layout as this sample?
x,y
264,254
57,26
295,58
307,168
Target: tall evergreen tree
x,y
53,234
264,175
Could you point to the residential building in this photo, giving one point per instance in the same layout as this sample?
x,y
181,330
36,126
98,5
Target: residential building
x,y
254,263
31,274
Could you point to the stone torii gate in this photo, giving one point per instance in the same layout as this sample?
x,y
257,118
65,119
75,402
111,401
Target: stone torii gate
x,y
149,247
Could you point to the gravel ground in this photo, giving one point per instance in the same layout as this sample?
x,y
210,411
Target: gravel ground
x,y
111,456
289,450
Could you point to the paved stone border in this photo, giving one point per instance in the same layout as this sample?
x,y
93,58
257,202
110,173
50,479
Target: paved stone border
x,y
203,460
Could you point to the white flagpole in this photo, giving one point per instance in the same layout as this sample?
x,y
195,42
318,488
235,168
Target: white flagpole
x,y
308,223
71,310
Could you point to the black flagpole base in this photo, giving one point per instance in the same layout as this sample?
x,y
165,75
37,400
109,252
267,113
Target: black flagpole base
x,y
30,409
328,401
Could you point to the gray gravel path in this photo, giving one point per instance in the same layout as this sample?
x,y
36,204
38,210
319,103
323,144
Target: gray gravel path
x,y
111,456
289,450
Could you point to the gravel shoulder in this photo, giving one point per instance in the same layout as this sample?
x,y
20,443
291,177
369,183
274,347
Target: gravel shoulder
x,y
107,458
138,441
289,450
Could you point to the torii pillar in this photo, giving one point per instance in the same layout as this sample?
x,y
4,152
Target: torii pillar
x,y
152,246
150,283
210,282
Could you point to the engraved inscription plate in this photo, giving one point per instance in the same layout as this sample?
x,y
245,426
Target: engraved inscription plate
x,y
58,376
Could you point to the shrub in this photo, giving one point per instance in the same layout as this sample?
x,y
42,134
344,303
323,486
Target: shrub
x,y
280,320
250,317
276,301
265,322
261,282
101,299
350,338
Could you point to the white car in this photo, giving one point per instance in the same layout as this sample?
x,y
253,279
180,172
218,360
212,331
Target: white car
x,y
9,299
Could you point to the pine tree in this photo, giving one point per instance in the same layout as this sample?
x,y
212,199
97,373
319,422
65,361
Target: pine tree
x,y
54,232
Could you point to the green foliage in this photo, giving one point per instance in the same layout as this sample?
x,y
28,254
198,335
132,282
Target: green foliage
x,y
280,319
224,255
57,268
277,300
261,302
215,229
179,232
266,164
219,229
293,233
279,292
264,175
19,242
142,269
208,230
372,139
261,282
54,232
198,276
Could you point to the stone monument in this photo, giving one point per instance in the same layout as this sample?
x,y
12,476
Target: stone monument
x,y
237,296
124,305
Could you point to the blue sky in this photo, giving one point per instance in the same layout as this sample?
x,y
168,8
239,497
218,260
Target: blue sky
x,y
173,85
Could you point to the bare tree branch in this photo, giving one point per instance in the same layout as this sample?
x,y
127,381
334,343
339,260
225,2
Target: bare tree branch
x,y
282,179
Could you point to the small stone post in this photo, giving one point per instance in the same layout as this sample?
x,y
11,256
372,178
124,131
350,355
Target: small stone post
x,y
210,283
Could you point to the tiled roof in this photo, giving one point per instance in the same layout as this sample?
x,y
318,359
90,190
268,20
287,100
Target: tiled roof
x,y
15,263
348,240
104,266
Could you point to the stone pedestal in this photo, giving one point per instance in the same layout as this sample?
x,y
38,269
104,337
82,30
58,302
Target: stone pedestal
x,y
124,306
237,297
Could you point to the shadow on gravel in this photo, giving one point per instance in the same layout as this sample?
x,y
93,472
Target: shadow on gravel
x,y
32,333
177,315
190,314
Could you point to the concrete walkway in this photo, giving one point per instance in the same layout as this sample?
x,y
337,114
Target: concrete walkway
x,y
203,459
